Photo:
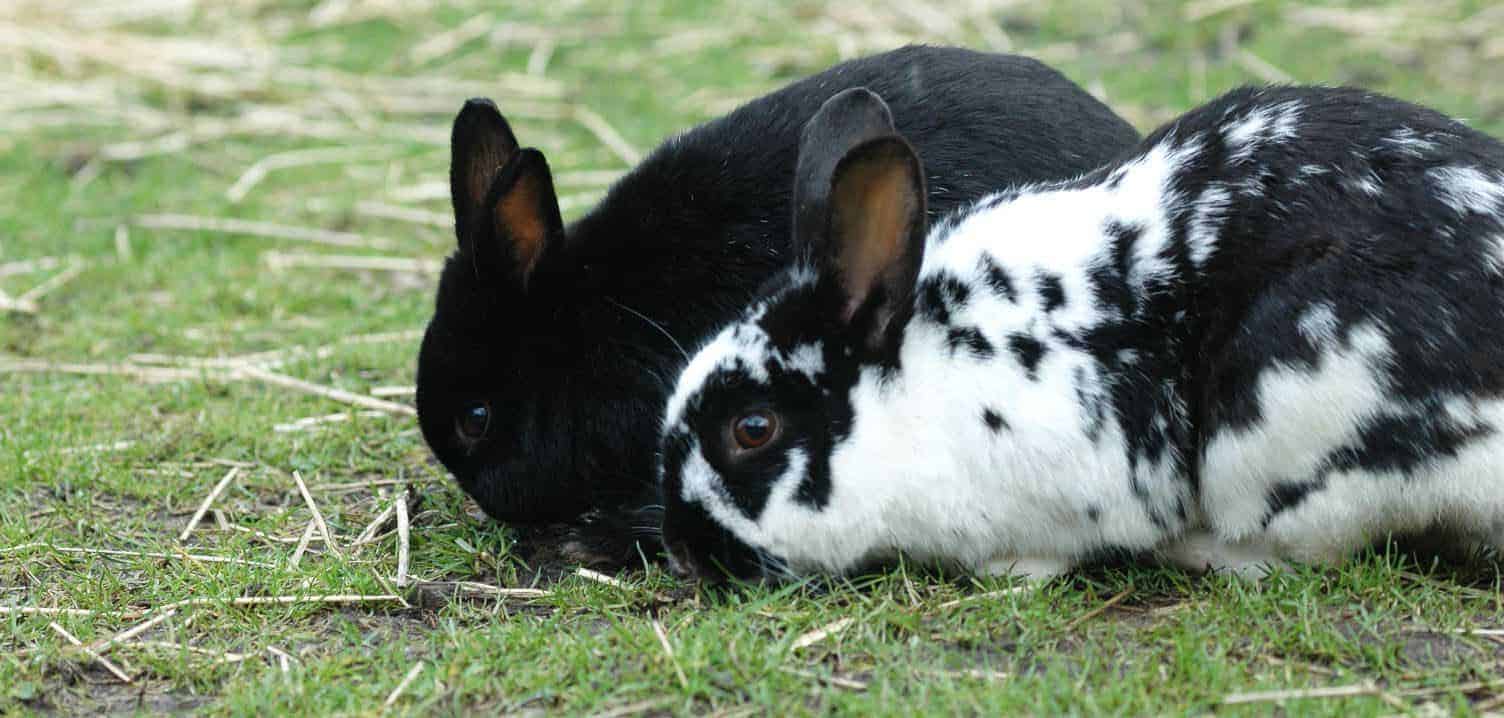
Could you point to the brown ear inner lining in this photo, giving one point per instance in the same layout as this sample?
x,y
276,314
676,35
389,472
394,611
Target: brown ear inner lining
x,y
521,221
874,206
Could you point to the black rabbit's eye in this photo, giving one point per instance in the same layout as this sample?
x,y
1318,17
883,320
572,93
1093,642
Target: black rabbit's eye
x,y
473,420
754,430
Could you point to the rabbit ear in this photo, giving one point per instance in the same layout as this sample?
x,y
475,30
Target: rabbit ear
x,y
524,216
844,121
859,213
480,144
505,210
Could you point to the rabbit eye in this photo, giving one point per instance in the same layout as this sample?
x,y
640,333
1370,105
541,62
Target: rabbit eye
x,y
473,420
755,429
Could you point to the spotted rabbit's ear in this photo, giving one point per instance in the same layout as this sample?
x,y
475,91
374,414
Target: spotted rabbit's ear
x,y
505,210
859,217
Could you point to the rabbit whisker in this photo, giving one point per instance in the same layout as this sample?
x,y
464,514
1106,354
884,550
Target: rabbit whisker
x,y
653,324
772,567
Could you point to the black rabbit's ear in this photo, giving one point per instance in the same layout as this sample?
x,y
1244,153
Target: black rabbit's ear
x,y
525,211
505,209
860,213
480,145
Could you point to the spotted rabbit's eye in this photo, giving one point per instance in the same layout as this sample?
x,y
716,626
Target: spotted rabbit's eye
x,y
473,420
754,429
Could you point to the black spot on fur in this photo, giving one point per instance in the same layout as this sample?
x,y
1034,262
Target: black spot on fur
x,y
1093,514
1093,404
1051,291
994,420
1284,496
1403,443
1109,280
1028,350
1141,492
972,339
1388,444
997,279
941,296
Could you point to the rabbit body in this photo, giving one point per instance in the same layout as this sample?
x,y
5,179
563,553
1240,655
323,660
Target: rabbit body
x,y
1270,333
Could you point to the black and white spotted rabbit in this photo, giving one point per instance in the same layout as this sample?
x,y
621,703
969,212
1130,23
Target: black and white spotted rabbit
x,y
1270,333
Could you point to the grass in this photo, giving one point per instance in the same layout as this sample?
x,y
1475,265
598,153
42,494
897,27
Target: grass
x,y
119,113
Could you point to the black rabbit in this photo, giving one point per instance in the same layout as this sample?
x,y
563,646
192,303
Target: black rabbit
x,y
544,371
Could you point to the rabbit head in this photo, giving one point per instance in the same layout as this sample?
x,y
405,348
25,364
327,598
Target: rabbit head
x,y
762,411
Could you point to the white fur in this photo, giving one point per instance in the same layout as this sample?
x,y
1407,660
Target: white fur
x,y
1364,181
1263,124
1355,508
1468,189
806,359
1307,171
1309,412
1073,219
1206,223
1305,414
741,340
1318,324
1494,253
721,353
1407,141
917,434
701,484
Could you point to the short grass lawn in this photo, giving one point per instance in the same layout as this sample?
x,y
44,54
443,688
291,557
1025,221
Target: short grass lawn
x,y
219,232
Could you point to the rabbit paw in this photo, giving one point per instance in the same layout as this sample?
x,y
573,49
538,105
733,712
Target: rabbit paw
x,y
1204,552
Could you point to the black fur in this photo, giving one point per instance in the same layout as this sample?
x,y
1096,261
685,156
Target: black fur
x,y
576,353
970,339
998,280
943,294
1051,291
1028,350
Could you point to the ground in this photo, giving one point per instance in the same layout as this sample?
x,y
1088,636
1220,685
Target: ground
x,y
205,199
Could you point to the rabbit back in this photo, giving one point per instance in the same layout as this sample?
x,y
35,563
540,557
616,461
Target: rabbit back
x,y
1349,371
1276,323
